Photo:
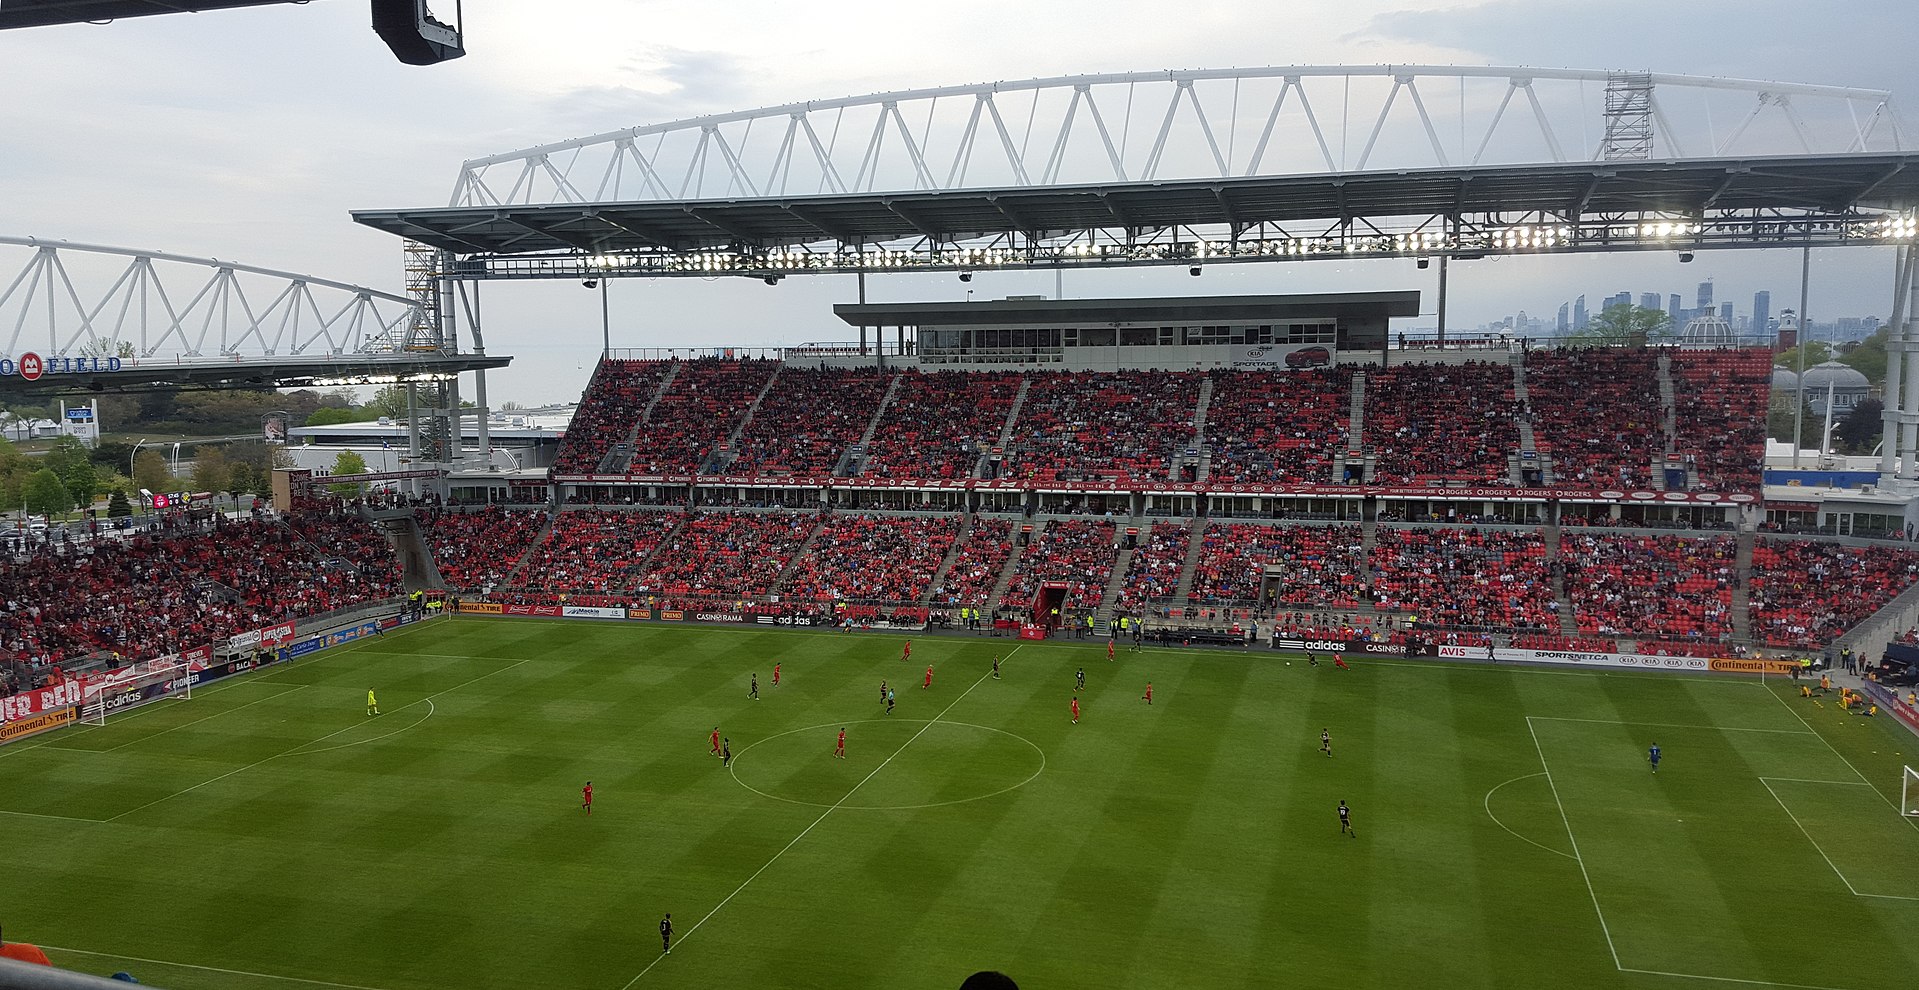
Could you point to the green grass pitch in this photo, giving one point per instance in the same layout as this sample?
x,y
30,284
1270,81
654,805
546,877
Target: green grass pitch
x,y
267,833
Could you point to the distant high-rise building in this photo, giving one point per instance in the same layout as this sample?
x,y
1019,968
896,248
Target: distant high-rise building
x,y
1675,309
1649,300
1761,311
1725,312
1705,294
1619,299
1564,323
1580,318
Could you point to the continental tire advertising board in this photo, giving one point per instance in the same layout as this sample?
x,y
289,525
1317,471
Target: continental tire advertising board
x,y
35,724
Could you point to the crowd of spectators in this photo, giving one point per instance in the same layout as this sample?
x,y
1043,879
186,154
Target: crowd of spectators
x,y
1719,403
1098,426
1804,593
872,559
1555,641
807,420
188,585
1464,577
1075,552
939,423
1672,589
727,554
596,551
1596,411
696,413
1453,422
976,568
608,412
478,550
1278,428
1153,572
1318,566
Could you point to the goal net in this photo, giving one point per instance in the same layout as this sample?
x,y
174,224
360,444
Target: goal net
x,y
1909,793
153,681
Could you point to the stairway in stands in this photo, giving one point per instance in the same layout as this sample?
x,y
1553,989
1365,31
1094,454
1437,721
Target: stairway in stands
x,y
805,548
1006,431
719,460
1568,625
619,459
1200,411
418,570
1743,543
1007,571
946,562
853,460
1109,600
1523,422
1196,530
512,578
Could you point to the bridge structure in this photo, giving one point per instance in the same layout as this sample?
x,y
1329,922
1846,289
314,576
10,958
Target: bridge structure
x,y
1194,168
87,319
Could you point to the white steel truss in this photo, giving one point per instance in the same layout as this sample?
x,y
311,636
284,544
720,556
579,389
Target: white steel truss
x,y
68,299
1174,125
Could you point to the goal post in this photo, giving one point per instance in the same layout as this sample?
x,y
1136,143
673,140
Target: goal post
x,y
162,679
1909,793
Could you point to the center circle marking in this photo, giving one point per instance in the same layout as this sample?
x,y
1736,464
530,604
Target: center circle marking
x,y
734,770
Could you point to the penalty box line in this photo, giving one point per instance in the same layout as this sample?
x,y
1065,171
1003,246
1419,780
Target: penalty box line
x,y
823,816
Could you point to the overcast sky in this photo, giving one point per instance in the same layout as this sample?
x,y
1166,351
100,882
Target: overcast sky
x,y
249,135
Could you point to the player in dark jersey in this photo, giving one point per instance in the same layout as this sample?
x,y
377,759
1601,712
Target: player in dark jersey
x,y
666,934
1346,821
1653,755
753,690
1079,679
1326,741
726,752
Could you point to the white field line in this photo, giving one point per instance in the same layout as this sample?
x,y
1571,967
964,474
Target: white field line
x,y
208,969
783,849
1581,860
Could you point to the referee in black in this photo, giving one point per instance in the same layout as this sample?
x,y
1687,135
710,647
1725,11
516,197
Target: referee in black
x,y
666,934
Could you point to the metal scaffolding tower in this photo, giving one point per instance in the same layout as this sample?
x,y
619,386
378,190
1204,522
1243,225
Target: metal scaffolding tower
x,y
1629,116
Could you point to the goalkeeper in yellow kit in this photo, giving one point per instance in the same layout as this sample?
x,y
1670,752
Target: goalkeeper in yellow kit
x,y
372,703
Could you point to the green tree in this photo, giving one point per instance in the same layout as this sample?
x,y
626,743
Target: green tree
x,y
46,494
1859,431
65,456
329,416
150,471
1869,356
82,484
1625,325
117,505
243,478
1817,352
210,470
347,462
389,401
107,347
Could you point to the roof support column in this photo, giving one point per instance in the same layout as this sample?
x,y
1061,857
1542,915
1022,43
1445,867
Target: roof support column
x,y
1908,422
1897,341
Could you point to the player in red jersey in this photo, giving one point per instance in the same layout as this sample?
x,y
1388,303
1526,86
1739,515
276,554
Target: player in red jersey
x,y
776,675
906,652
716,740
929,677
1340,662
1149,692
586,797
1109,649
1076,709
839,750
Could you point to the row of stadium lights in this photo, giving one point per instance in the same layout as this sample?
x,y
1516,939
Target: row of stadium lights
x,y
1514,238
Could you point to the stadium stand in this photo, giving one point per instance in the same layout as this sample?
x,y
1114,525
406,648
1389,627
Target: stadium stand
x,y
1075,552
1320,566
1471,578
1597,413
1448,422
872,559
696,413
1805,593
477,550
977,566
807,420
727,555
189,585
596,550
1719,402
1671,589
1276,428
1154,570
1088,426
938,424
608,413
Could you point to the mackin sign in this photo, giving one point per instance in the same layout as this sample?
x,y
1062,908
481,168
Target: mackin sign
x,y
31,366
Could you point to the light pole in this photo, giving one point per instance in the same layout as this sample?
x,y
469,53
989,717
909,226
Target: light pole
x,y
130,457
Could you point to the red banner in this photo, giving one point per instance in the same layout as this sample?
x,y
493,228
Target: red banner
x,y
27,704
550,611
277,635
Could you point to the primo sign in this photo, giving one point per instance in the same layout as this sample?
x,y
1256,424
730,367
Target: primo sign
x,y
31,366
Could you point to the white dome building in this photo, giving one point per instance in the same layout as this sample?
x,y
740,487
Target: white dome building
x,y
1847,386
1707,331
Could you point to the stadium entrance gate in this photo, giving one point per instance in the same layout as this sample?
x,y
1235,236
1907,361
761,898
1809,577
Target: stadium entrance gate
x,y
1048,604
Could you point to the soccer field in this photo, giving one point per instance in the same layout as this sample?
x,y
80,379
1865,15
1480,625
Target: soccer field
x,y
267,833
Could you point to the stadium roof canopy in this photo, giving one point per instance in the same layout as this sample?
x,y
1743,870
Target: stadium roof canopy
x,y
38,13
1175,309
1584,203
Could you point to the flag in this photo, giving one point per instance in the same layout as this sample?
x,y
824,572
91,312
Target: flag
x,y
386,445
